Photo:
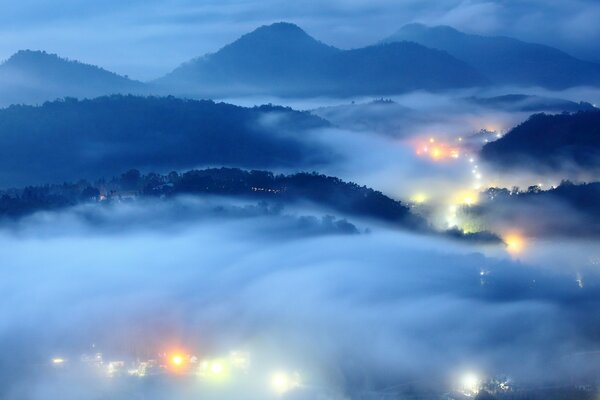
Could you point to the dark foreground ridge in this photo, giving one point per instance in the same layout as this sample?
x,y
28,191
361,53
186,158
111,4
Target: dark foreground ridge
x,y
333,193
329,193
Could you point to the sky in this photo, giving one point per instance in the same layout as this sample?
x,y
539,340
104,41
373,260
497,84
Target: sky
x,y
147,38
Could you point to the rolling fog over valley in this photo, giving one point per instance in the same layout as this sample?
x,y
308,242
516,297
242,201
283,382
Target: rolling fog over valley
x,y
337,201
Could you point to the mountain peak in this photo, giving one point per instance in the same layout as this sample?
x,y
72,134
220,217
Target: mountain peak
x,y
280,28
28,56
280,33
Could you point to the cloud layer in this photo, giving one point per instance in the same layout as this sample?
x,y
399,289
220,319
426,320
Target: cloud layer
x,y
353,313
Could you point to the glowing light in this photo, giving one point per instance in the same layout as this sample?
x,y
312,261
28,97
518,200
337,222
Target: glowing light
x,y
470,384
177,360
467,198
419,198
282,382
437,150
114,367
514,243
58,361
217,368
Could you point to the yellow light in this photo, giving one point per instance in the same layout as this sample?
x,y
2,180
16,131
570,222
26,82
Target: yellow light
x,y
436,153
58,361
419,198
514,243
177,360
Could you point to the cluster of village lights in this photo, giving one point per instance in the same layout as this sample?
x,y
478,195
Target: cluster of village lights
x,y
438,151
179,363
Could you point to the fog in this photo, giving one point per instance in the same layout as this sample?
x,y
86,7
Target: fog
x,y
351,313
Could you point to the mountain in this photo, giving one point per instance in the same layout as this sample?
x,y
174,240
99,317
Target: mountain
x,y
530,103
281,59
550,142
505,60
73,139
36,76
568,210
272,191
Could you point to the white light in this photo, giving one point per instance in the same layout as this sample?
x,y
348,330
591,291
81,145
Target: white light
x,y
470,384
282,382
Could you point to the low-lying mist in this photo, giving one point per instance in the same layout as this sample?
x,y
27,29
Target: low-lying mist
x,y
349,311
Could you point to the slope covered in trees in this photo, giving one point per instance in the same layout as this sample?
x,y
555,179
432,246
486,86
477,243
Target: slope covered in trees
x,y
74,139
549,141
332,193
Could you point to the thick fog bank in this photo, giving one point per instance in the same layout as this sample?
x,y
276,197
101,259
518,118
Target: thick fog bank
x,y
351,313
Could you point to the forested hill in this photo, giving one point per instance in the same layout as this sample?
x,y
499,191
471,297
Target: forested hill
x,y
328,192
549,141
73,139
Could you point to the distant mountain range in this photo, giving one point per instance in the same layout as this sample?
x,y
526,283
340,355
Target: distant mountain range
x,y
530,103
36,76
73,139
504,60
282,59
549,142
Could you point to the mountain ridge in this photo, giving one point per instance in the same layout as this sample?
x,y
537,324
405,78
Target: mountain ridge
x,y
503,59
282,59
33,76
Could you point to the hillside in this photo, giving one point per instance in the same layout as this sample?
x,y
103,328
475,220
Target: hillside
x,y
74,139
346,198
282,59
549,141
505,60
35,76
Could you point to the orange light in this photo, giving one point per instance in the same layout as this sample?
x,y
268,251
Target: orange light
x,y
514,243
177,361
